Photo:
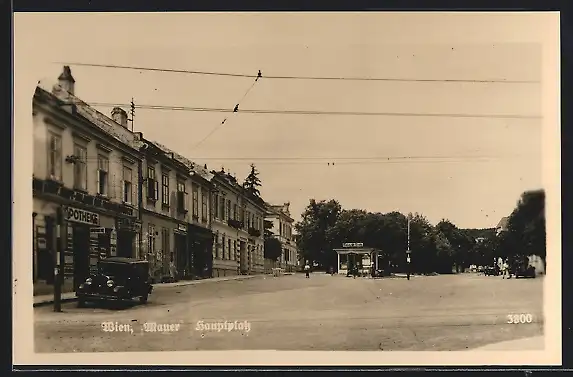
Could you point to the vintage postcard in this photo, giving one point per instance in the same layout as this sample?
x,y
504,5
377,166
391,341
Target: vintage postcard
x,y
243,188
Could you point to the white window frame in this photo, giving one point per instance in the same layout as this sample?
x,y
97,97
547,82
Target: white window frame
x,y
127,185
80,167
102,168
55,156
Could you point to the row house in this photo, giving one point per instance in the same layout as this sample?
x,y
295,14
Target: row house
x,y
87,164
175,213
238,228
282,228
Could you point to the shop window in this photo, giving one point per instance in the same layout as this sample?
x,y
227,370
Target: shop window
x,y
165,238
80,167
102,175
151,239
234,250
165,189
127,185
55,156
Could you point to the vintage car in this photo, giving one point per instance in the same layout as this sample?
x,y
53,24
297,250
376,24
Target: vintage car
x,y
117,279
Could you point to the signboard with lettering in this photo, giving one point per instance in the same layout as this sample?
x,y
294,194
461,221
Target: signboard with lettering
x,y
81,216
69,253
98,230
353,244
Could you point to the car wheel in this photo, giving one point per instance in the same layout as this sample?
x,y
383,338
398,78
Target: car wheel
x,y
81,303
143,299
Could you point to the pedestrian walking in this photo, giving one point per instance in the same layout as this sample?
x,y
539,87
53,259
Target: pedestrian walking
x,y
505,269
307,269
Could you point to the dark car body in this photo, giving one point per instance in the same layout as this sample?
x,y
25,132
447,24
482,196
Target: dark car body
x,y
524,271
117,279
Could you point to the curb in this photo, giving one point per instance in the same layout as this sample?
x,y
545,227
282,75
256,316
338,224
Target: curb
x,y
51,302
164,285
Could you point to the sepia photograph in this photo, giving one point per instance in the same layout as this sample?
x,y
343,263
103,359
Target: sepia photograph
x,y
226,184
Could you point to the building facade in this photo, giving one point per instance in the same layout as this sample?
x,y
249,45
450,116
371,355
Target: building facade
x,y
279,216
238,228
87,164
175,214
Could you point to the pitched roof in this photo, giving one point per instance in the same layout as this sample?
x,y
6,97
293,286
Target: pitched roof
x,y
196,168
96,118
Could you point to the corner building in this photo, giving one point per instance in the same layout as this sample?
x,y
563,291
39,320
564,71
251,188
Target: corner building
x,y
87,164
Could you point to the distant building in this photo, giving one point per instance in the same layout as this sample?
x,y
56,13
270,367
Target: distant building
x,y
238,227
502,225
279,216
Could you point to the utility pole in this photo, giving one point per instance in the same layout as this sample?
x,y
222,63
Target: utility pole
x,y
60,239
132,112
408,250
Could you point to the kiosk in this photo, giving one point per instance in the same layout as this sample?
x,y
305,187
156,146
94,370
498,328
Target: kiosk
x,y
355,254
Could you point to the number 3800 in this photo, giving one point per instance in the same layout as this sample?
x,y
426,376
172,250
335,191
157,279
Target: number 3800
x,y
519,318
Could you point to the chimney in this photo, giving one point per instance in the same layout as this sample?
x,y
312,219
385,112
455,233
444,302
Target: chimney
x,y
119,116
66,80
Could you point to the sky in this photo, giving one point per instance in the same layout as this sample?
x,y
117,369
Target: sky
x,y
292,152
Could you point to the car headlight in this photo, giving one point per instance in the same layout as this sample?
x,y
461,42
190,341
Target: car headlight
x,y
110,283
88,281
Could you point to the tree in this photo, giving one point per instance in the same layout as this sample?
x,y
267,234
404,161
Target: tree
x,y
313,242
526,233
273,248
252,182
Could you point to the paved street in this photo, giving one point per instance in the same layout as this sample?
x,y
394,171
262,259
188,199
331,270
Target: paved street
x,y
321,313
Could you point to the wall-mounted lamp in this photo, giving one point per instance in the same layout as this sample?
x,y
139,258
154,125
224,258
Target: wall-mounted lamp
x,y
72,159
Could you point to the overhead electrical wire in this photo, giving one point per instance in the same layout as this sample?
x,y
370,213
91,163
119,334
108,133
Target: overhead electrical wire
x,y
236,109
334,161
276,77
316,112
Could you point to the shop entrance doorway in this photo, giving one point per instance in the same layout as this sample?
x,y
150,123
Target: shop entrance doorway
x,y
81,247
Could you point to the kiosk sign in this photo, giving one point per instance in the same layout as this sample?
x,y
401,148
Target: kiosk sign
x,y
81,216
353,244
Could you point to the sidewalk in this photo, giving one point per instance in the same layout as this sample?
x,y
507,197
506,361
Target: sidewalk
x,y
71,296
525,344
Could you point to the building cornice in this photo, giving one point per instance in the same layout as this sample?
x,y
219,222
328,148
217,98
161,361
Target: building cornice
x,y
54,113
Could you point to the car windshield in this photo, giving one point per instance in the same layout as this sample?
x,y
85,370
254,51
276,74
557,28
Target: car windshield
x,y
113,269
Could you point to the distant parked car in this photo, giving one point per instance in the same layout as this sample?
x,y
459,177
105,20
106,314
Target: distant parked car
x,y
490,271
523,271
117,279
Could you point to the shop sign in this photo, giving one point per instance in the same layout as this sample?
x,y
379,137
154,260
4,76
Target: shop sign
x,y
353,244
98,230
81,216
